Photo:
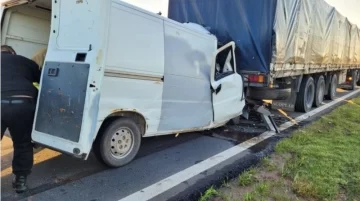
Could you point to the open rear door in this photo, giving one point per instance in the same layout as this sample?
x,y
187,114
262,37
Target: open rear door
x,y
66,117
227,85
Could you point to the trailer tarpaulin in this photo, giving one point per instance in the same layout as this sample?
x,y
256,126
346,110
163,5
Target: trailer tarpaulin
x,y
249,23
355,34
313,32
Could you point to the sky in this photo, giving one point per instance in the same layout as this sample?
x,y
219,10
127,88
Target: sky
x,y
348,8
152,5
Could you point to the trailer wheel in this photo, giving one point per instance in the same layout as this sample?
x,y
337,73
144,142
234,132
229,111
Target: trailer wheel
x,y
354,81
305,97
332,88
319,90
119,143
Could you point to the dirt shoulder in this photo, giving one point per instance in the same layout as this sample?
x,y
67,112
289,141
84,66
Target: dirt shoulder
x,y
319,162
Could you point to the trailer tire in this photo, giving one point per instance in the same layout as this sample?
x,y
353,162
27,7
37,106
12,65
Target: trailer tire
x,y
119,143
319,90
331,95
305,97
354,80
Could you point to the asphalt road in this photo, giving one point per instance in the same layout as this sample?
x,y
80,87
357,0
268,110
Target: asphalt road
x,y
60,177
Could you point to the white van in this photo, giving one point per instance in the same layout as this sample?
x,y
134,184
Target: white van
x,y
115,73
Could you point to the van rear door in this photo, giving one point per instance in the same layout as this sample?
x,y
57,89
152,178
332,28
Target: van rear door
x,y
66,117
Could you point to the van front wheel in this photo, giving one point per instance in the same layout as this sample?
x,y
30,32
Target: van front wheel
x,y
119,143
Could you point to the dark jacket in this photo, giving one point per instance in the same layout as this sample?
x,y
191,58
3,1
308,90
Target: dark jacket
x,y
17,76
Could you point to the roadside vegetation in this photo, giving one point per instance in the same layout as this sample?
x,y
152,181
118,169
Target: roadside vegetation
x,y
319,162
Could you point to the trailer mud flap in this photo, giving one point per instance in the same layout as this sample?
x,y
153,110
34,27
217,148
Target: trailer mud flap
x,y
62,99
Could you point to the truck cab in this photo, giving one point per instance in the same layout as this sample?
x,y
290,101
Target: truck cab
x,y
115,73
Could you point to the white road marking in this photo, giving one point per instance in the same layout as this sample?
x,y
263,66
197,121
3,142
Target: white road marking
x,y
186,174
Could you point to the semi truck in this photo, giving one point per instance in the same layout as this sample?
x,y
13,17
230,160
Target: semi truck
x,y
115,73
293,52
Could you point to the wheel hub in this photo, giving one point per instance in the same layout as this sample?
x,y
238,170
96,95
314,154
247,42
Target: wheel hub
x,y
121,142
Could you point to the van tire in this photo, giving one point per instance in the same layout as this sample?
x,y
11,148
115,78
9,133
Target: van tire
x,y
331,95
121,135
319,91
305,97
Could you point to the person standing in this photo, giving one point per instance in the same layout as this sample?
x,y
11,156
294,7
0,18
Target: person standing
x,y
18,104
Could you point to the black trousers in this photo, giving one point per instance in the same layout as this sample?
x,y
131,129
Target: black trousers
x,y
17,115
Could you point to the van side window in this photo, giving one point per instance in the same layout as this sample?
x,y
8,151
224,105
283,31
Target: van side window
x,y
224,64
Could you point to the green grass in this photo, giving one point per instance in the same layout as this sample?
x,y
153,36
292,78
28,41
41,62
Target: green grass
x,y
268,164
326,155
209,194
263,189
250,196
247,177
280,197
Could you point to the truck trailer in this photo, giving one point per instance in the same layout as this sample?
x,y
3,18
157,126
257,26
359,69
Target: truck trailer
x,y
293,52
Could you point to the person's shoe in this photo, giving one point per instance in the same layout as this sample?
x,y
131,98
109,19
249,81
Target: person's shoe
x,y
20,184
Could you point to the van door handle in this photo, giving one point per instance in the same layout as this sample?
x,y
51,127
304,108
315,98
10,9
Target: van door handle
x,y
53,72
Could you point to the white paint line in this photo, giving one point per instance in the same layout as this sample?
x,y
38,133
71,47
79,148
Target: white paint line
x,y
176,179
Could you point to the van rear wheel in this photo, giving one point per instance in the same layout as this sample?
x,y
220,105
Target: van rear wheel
x,y
119,143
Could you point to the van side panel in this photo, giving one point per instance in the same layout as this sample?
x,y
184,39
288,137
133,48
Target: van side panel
x,y
123,94
134,65
186,94
136,42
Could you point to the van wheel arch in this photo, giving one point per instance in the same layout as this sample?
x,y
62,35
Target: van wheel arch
x,y
135,116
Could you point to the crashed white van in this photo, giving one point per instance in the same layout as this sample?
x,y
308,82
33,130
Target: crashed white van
x,y
115,73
